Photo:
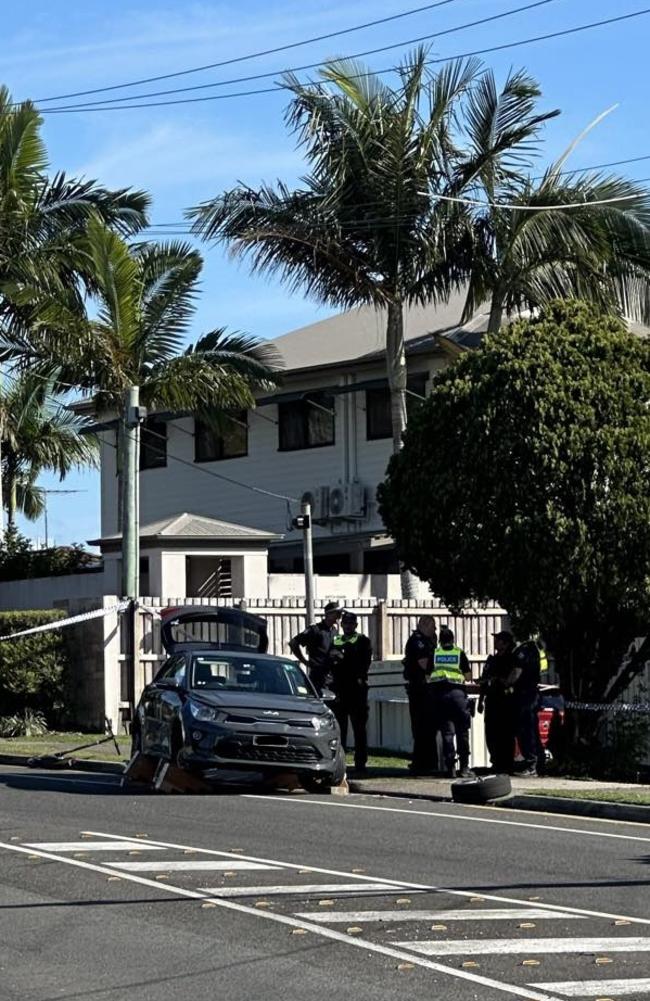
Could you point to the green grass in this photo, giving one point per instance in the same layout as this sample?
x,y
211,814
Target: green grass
x,y
638,797
53,743
379,759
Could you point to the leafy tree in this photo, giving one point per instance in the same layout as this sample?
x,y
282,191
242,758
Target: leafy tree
x,y
525,479
39,433
19,561
32,669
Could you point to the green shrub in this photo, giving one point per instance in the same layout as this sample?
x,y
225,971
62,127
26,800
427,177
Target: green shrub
x,y
28,724
32,669
18,561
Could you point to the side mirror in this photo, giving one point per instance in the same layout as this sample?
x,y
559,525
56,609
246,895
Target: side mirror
x,y
171,683
327,695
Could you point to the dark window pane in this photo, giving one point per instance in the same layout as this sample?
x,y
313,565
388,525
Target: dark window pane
x,y
229,443
153,444
378,416
307,423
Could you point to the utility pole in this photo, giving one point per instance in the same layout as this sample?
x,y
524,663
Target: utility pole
x,y
303,522
130,430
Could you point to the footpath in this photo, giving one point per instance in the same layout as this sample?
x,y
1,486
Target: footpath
x,y
547,794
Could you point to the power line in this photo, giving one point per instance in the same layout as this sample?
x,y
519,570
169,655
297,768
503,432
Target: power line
x,y
81,108
251,55
311,66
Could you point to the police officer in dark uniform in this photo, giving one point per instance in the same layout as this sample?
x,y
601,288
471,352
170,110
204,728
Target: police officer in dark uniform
x,y
418,665
451,670
497,700
529,660
317,640
350,658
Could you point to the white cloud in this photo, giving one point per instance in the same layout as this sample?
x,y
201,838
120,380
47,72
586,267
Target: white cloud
x,y
177,155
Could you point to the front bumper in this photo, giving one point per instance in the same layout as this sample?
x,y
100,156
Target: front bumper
x,y
208,746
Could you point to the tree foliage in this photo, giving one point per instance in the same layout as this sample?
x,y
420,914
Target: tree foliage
x,y
525,479
32,669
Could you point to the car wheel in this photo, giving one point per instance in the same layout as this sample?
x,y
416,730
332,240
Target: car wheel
x,y
481,790
176,751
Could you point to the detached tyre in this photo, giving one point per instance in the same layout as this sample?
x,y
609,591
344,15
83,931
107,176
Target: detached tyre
x,y
481,790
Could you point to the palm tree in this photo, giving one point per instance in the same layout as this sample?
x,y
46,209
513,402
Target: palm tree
x,y
144,303
39,434
523,257
369,225
43,220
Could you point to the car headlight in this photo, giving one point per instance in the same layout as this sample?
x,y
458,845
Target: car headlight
x,y
204,712
325,722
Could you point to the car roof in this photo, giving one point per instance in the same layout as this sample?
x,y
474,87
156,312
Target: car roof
x,y
221,651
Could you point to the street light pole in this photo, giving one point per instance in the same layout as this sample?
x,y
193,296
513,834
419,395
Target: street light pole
x,y
130,432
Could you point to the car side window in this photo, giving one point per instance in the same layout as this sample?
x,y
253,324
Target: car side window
x,y
172,668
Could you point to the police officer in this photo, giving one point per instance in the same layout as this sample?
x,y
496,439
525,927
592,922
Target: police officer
x,y
350,658
497,700
317,640
529,662
449,701
418,664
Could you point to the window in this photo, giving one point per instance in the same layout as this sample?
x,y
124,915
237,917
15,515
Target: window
x,y
307,423
229,443
378,416
153,444
173,668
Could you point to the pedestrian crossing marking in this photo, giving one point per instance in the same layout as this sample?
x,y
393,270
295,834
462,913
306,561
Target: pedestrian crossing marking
x,y
187,866
298,890
504,914
596,988
93,846
519,946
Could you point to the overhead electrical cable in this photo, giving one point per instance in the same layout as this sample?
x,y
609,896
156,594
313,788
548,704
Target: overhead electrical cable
x,y
278,88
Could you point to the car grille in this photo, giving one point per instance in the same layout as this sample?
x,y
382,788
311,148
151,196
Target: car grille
x,y
243,749
252,720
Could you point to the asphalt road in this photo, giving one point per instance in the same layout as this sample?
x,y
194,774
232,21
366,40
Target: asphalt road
x,y
106,894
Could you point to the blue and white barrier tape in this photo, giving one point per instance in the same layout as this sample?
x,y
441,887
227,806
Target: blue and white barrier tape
x,y
96,613
641,708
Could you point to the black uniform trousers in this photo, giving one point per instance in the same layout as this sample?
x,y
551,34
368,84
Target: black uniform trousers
x,y
526,729
425,753
352,703
500,729
452,716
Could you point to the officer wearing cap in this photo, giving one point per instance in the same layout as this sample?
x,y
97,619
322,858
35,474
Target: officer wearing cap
x,y
451,670
496,686
350,658
317,641
418,664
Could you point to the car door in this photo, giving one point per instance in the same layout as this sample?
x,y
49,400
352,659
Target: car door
x,y
172,694
153,735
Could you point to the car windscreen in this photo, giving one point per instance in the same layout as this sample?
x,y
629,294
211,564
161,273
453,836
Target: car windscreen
x,y
221,673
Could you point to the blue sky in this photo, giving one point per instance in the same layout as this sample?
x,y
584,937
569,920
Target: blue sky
x,y
184,154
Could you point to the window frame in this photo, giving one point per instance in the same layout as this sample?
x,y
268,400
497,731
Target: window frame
x,y
147,426
303,407
241,417
416,383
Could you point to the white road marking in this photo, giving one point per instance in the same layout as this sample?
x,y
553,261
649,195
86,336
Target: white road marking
x,y
446,816
188,866
95,846
597,988
503,914
330,933
526,946
427,888
299,890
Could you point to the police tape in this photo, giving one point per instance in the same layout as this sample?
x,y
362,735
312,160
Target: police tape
x,y
640,708
96,613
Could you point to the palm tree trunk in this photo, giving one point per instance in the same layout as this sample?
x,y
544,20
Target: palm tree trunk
x,y
496,313
11,499
397,375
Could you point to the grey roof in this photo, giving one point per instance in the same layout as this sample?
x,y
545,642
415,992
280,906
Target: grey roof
x,y
360,334
195,526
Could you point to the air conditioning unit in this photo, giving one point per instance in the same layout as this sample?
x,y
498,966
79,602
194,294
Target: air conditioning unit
x,y
347,500
318,497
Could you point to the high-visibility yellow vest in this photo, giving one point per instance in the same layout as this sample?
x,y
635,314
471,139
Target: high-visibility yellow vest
x,y
543,660
344,640
446,665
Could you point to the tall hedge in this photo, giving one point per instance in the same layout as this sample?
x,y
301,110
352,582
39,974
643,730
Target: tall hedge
x,y
32,669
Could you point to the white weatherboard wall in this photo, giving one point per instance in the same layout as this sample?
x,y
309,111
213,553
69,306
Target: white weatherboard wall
x,y
178,487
